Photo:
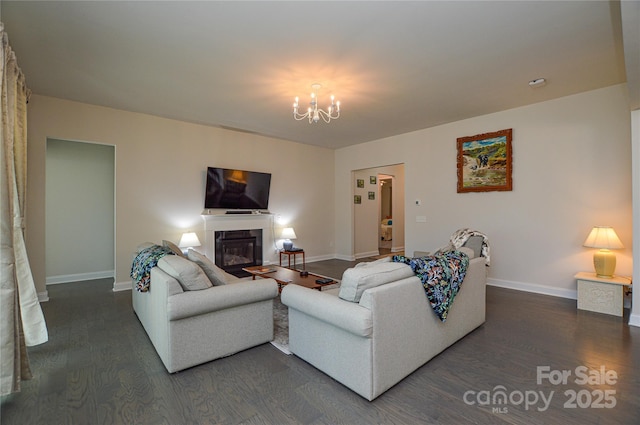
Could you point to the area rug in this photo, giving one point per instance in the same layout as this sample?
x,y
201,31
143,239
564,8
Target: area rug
x,y
281,322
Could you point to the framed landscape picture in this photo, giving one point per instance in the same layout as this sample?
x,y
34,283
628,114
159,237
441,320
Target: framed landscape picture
x,y
484,162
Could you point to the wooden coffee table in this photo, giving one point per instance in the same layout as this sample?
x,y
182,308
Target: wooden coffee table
x,y
285,276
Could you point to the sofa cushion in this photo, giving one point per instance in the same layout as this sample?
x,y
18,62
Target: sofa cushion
x,y
356,280
187,273
216,275
173,247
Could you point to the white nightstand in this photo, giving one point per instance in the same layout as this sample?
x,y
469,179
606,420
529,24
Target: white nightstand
x,y
600,294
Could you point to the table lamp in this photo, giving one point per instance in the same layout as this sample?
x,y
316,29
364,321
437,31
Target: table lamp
x,y
288,234
604,238
188,240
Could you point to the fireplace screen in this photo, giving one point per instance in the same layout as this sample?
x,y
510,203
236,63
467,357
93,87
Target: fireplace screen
x,y
236,249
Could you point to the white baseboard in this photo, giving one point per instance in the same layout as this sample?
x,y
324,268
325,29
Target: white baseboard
x,y
397,248
320,258
285,261
43,297
345,257
535,288
367,254
122,286
66,278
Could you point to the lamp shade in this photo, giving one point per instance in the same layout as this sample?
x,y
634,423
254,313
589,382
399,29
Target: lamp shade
x,y
603,237
604,261
288,233
188,240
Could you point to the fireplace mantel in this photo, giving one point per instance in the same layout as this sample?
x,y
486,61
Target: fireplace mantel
x,y
218,222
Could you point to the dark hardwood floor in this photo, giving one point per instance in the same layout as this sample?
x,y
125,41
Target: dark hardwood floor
x,y
100,368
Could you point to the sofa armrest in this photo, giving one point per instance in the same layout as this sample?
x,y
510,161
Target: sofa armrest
x,y
329,308
193,303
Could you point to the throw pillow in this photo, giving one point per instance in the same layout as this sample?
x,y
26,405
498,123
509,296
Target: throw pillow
x,y
216,275
187,273
358,279
173,247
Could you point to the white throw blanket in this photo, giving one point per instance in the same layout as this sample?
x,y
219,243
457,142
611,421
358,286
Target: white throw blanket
x,y
461,236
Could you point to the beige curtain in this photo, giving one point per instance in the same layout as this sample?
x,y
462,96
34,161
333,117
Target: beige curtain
x,y
21,320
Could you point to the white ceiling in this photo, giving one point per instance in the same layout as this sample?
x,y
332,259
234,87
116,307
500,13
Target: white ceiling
x,y
396,66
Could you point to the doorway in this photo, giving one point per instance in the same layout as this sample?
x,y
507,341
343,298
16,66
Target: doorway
x,y
370,210
80,211
385,190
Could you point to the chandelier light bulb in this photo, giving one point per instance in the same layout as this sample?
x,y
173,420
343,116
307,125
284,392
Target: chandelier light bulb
x,y
314,113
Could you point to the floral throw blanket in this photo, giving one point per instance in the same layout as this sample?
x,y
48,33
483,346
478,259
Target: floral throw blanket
x,y
144,262
441,276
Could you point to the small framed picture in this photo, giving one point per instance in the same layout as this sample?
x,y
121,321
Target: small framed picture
x,y
372,195
357,199
372,179
360,183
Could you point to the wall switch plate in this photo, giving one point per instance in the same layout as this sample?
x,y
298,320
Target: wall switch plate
x,y
418,202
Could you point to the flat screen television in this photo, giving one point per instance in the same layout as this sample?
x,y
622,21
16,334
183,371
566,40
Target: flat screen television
x,y
237,189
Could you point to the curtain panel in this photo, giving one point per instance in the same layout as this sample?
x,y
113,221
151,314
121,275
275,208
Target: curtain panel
x,y
21,320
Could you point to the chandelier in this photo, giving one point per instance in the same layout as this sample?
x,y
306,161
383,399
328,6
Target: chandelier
x,y
314,113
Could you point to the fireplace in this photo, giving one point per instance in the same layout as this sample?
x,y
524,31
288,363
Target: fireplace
x,y
247,226
235,249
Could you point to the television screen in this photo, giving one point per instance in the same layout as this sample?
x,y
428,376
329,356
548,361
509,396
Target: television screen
x,y
237,189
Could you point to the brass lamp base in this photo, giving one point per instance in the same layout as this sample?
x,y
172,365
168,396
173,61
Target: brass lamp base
x,y
604,262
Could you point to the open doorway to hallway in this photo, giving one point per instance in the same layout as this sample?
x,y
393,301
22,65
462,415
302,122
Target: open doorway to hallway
x,y
79,211
385,191
378,213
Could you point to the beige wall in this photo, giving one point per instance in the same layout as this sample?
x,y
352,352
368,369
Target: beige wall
x,y
160,177
571,171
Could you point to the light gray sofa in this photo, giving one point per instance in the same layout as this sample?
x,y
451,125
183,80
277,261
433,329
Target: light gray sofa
x,y
191,327
372,344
